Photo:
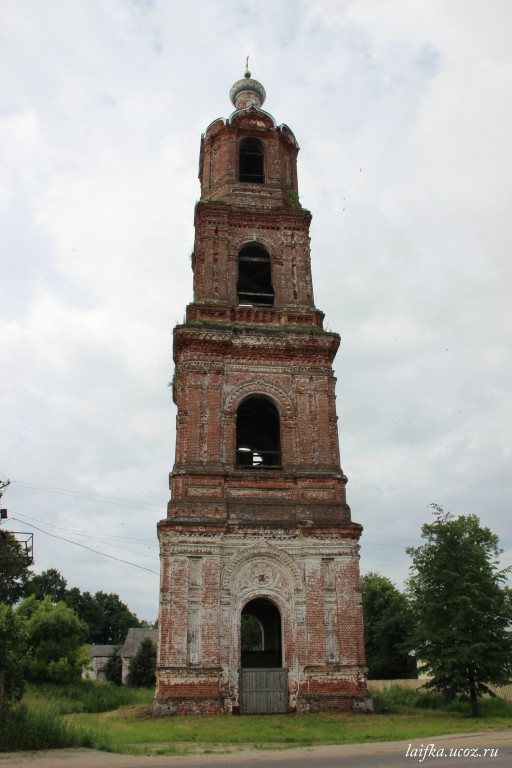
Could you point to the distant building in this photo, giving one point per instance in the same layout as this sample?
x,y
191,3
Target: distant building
x,y
100,656
131,645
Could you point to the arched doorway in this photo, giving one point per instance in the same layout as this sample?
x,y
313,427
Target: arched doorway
x,y
263,680
261,644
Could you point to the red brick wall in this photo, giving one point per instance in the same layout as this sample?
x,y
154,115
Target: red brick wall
x,y
234,535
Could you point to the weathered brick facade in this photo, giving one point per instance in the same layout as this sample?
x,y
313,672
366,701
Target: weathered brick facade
x,y
256,521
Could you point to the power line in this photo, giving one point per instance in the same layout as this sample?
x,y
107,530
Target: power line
x,y
102,554
130,503
87,495
383,544
84,533
390,538
85,536
116,536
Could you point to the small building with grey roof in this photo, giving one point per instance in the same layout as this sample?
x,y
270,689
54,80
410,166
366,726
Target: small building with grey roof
x,y
131,645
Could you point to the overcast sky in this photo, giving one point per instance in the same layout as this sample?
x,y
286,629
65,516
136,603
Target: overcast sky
x,y
403,112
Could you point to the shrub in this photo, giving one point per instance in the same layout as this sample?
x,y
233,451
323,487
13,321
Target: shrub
x,y
141,673
82,696
55,637
114,667
12,658
25,729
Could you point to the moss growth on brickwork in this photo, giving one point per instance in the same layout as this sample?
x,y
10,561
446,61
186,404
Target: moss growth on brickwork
x,y
291,199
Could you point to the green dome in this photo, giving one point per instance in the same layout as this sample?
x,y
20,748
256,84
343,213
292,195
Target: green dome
x,y
247,92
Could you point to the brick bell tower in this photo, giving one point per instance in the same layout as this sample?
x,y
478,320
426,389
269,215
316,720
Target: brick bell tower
x,y
260,602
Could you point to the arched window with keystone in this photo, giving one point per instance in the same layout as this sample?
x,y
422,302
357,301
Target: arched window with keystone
x,y
258,441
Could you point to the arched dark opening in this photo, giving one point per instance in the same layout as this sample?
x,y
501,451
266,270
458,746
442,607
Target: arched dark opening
x,y
258,444
251,161
263,649
254,277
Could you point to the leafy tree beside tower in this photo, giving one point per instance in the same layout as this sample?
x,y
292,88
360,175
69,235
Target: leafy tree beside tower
x,y
462,607
141,673
387,629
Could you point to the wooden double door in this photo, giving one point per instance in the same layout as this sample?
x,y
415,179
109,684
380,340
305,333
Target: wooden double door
x,y
264,690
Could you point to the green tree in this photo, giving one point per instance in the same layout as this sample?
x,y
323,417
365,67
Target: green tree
x,y
14,569
89,611
387,629
114,667
141,672
50,584
108,619
12,658
462,607
115,622
55,636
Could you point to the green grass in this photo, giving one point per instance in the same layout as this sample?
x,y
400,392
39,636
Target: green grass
x,y
39,722
130,734
398,699
85,696
401,715
32,729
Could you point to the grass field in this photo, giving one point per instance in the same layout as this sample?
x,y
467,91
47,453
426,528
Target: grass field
x,y
129,732
124,724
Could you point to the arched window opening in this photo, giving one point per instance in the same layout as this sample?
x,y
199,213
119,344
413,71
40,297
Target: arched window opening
x,y
264,647
254,279
251,161
251,631
258,435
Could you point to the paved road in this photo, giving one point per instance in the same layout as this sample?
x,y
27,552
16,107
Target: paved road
x,y
396,754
